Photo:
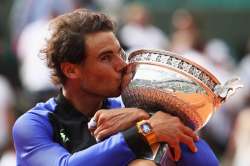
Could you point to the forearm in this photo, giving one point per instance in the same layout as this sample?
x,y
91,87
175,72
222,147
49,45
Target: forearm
x,y
35,146
113,151
119,149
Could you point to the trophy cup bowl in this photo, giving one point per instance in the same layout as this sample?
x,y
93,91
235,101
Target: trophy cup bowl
x,y
165,81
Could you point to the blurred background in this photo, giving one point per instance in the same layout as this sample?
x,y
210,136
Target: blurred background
x,y
214,33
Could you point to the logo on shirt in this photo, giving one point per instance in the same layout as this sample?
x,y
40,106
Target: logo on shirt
x,y
64,138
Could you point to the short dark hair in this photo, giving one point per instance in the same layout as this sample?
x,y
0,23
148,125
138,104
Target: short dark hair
x,y
67,42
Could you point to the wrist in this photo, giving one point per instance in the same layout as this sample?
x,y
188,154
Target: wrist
x,y
142,115
146,132
136,143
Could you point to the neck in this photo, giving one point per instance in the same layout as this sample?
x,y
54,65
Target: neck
x,y
84,102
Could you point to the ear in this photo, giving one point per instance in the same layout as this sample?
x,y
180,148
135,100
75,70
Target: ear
x,y
70,70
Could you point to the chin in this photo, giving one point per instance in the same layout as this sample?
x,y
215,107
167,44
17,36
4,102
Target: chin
x,y
115,94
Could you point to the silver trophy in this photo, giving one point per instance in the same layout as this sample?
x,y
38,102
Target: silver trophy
x,y
165,81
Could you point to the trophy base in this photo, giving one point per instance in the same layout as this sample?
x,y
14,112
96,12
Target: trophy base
x,y
159,155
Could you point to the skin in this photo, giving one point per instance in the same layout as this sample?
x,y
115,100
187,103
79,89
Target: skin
x,y
111,121
168,129
103,74
141,162
171,130
99,76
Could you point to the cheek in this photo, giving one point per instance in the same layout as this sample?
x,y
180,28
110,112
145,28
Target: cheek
x,y
107,76
103,76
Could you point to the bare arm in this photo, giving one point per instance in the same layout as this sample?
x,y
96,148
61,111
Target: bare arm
x,y
168,128
112,121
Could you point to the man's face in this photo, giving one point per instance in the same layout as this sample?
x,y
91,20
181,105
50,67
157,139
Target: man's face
x,y
101,71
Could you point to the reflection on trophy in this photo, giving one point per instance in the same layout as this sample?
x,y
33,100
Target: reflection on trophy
x,y
165,81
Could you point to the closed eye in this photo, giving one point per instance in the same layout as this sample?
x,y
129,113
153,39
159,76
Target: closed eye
x,y
106,57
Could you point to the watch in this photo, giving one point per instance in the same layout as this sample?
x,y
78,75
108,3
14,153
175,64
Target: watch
x,y
145,129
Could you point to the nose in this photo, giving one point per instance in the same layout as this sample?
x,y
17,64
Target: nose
x,y
120,64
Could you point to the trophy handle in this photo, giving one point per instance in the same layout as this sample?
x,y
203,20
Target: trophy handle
x,y
226,90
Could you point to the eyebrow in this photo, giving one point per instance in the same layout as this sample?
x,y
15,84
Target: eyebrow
x,y
109,51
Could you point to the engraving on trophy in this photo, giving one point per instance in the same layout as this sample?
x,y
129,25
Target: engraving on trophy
x,y
164,81
175,62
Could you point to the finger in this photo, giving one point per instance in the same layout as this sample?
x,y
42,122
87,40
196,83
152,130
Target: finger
x,y
96,116
104,134
189,142
170,153
144,114
99,129
92,131
191,133
101,117
103,126
177,152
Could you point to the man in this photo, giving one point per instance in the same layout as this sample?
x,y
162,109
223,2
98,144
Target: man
x,y
86,62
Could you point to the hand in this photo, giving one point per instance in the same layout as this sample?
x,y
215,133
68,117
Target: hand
x,y
171,130
109,122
